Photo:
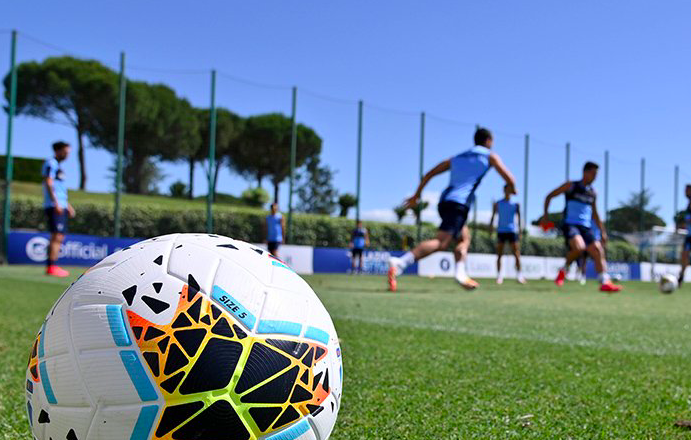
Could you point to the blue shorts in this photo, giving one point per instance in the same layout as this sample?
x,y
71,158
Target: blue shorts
x,y
687,244
571,231
57,223
453,217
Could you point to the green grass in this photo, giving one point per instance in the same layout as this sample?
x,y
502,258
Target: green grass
x,y
433,362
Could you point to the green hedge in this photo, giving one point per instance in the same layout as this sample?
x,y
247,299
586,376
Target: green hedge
x,y
311,230
24,169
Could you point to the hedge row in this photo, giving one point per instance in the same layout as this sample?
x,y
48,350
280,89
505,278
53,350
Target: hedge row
x,y
310,230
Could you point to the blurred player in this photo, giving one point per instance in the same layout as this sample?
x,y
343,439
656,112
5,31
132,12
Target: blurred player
x,y
507,232
686,224
581,209
359,239
275,227
467,171
56,206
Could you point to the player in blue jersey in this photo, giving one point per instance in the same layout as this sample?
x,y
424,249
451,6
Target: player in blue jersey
x,y
467,170
274,229
579,213
686,224
359,239
507,232
56,206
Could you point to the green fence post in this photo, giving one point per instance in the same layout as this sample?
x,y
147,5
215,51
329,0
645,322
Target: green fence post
x,y
568,161
212,156
676,195
7,215
121,143
607,190
293,153
525,185
640,208
359,159
422,171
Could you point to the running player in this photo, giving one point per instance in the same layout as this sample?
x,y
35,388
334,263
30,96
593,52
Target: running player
x,y
275,227
686,224
359,239
581,209
507,232
467,171
56,206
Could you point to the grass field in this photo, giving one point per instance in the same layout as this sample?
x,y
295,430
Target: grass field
x,y
432,362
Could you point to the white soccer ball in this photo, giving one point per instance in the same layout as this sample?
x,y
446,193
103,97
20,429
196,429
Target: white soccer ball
x,y
186,336
668,283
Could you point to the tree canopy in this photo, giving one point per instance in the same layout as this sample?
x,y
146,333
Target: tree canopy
x,y
263,149
66,90
626,218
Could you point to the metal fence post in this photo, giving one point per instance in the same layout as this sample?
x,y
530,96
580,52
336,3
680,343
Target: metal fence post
x,y
293,153
121,143
212,156
359,159
676,196
7,215
525,183
607,190
568,161
422,171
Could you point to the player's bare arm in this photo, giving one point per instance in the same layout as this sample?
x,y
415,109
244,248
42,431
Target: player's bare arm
x,y
491,220
557,192
496,162
440,168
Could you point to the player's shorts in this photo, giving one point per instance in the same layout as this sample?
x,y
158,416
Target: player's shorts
x,y
273,246
357,252
453,217
503,237
687,244
571,231
57,223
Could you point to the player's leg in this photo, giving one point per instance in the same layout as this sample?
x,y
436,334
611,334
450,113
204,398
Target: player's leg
x,y
460,254
685,254
500,253
352,261
398,264
453,217
516,248
361,258
597,253
57,224
576,246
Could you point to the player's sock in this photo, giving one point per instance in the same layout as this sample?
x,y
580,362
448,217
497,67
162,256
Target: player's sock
x,y
408,259
520,278
500,279
604,278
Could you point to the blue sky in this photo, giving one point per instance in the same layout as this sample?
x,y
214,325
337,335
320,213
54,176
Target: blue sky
x,y
601,75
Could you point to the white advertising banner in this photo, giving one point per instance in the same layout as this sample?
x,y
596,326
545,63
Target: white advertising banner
x,y
650,272
441,264
299,258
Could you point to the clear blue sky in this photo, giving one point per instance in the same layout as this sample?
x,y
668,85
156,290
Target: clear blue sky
x,y
602,75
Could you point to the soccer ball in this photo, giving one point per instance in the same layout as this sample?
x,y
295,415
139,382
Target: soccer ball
x,y
668,283
186,336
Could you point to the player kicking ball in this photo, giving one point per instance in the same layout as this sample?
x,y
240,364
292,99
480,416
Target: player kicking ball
x,y
467,171
507,232
686,224
579,213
